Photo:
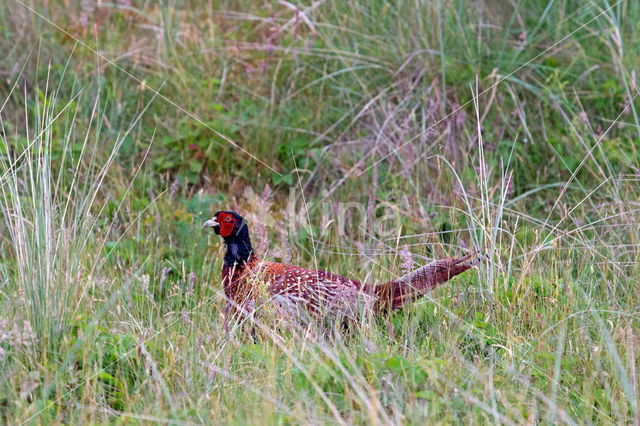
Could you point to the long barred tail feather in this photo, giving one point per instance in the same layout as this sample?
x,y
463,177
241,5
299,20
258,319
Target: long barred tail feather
x,y
409,287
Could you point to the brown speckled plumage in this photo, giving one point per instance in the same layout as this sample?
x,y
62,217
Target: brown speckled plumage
x,y
294,290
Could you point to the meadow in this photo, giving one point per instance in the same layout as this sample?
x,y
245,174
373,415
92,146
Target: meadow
x,y
364,137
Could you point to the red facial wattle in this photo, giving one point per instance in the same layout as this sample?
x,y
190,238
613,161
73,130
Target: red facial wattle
x,y
226,222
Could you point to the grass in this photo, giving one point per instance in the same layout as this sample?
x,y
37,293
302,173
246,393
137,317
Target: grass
x,y
388,133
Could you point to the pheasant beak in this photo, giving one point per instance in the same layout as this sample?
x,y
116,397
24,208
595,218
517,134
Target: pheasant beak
x,y
211,223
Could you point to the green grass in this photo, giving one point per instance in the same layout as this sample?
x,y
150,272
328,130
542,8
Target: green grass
x,y
413,129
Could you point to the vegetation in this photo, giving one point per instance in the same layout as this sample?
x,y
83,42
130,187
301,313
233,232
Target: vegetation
x,y
364,136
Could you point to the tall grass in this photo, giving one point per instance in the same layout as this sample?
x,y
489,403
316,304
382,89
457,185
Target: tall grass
x,y
111,307
47,222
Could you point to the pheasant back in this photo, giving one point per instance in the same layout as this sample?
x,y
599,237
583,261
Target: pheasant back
x,y
294,290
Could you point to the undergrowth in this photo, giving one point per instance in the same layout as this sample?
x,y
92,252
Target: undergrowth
x,y
364,137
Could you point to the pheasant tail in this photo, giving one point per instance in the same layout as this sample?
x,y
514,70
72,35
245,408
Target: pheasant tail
x,y
397,293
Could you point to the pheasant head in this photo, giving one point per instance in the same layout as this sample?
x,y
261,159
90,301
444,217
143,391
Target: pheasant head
x,y
234,229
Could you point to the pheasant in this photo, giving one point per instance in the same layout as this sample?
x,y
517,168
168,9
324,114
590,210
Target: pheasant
x,y
246,279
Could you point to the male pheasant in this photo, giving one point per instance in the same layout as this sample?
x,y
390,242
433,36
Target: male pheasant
x,y
246,279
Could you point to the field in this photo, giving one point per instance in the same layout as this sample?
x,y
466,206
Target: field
x,y
363,137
